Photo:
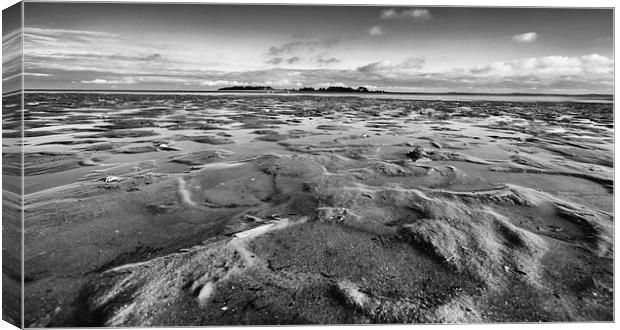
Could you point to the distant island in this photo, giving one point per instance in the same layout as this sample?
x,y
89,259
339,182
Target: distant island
x,y
246,88
330,89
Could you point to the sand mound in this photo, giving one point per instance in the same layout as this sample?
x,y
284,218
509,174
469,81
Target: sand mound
x,y
294,166
486,246
419,154
465,233
464,207
349,150
379,310
330,214
132,295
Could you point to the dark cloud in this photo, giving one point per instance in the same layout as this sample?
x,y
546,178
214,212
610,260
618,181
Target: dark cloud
x,y
302,45
281,60
154,57
275,60
283,49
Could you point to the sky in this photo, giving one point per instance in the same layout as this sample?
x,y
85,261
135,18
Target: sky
x,y
11,48
408,49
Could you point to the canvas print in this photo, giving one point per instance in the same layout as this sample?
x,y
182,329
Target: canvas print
x,y
200,164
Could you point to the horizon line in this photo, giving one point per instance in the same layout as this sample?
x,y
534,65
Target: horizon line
x,y
295,91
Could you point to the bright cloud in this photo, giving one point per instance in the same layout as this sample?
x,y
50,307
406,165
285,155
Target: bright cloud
x,y
588,73
376,30
212,83
416,14
525,37
99,81
37,74
550,67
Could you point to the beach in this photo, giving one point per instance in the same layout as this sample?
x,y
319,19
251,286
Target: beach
x,y
230,209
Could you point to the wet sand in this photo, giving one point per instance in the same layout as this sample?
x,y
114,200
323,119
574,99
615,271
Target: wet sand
x,y
11,210
265,209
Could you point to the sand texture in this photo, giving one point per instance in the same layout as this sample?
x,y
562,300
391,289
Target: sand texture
x,y
151,210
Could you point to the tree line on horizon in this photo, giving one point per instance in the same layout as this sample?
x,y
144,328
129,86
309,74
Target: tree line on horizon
x,y
337,89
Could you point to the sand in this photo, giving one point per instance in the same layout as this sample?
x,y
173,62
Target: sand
x,y
313,210
11,210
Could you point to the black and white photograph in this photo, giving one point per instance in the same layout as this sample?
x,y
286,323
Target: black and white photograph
x,y
205,163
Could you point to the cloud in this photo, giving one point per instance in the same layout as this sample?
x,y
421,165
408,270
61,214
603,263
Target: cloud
x,y
12,52
302,45
415,14
386,67
122,81
323,59
288,53
212,83
549,67
74,55
49,50
558,74
90,58
376,30
293,60
68,34
328,60
154,57
588,73
275,60
525,37
591,73
283,49
37,74
281,60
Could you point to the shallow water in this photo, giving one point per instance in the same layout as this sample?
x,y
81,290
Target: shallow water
x,y
213,114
